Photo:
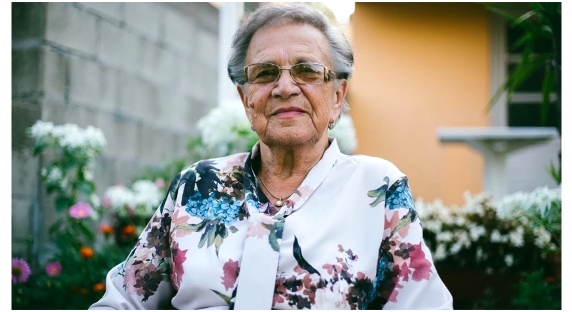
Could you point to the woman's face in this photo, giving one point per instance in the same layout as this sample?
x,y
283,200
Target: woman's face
x,y
284,112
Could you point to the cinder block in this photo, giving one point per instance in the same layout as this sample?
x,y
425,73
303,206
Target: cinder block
x,y
126,170
21,213
24,173
105,175
119,48
28,20
207,47
58,112
24,115
154,145
108,89
26,66
173,112
207,83
55,73
179,31
159,65
145,17
137,99
84,82
71,27
123,138
190,76
113,10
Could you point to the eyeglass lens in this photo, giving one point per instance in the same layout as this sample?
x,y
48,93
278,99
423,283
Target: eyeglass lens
x,y
301,73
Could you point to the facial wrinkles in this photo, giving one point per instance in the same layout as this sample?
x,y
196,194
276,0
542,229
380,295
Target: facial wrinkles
x,y
285,51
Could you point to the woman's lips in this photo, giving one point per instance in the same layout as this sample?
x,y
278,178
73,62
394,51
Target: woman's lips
x,y
289,114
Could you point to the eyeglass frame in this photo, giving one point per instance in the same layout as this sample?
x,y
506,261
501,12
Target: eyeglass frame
x,y
327,73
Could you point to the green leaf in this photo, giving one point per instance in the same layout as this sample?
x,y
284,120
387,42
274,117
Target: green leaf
x,y
233,229
86,187
203,239
223,296
218,242
206,234
191,227
86,231
211,234
39,147
63,202
547,86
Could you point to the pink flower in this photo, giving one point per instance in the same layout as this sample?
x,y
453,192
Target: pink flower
x,y
107,202
160,183
53,269
20,270
80,210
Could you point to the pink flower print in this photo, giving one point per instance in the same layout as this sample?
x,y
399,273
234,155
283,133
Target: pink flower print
x,y
231,270
420,265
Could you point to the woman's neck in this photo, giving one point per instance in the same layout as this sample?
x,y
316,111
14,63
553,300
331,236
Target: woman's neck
x,y
283,169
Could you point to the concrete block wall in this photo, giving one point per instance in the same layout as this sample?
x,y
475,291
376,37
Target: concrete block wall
x,y
143,73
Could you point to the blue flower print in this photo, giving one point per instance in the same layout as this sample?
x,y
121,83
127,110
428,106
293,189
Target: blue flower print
x,y
225,209
400,196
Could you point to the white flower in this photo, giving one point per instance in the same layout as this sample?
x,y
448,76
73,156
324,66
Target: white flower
x,y
444,237
543,237
455,248
496,236
509,260
41,129
95,201
517,237
222,127
147,197
54,175
440,253
476,232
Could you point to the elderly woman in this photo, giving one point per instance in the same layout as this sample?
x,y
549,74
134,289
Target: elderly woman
x,y
294,224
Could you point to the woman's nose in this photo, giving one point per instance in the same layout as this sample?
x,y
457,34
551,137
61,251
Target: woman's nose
x,y
285,85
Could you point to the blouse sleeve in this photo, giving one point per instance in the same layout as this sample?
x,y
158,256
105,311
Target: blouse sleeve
x,y
143,281
406,276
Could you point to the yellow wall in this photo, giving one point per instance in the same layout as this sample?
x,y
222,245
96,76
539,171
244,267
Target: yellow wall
x,y
420,66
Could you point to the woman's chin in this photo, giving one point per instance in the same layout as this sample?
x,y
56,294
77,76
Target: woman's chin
x,y
292,138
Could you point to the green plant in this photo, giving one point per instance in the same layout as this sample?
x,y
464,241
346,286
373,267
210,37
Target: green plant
x,y
513,234
78,258
541,25
535,292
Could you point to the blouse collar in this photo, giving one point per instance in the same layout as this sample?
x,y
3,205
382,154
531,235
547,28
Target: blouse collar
x,y
312,181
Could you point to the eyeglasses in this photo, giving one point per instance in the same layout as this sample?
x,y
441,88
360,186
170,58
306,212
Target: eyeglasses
x,y
303,73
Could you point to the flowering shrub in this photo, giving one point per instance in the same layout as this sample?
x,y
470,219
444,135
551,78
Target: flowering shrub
x,y
74,263
131,208
510,234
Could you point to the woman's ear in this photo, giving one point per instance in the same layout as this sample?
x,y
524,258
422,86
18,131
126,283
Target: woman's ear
x,y
340,95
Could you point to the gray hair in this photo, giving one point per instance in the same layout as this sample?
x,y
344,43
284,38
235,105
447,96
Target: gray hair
x,y
341,52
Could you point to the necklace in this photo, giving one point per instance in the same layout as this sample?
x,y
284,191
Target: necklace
x,y
279,203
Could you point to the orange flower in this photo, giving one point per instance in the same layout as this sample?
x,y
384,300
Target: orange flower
x,y
83,291
129,230
86,252
105,229
98,287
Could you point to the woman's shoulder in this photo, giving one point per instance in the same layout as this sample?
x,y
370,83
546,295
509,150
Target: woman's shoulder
x,y
223,163
374,166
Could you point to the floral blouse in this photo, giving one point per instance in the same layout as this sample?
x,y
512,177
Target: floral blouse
x,y
348,238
